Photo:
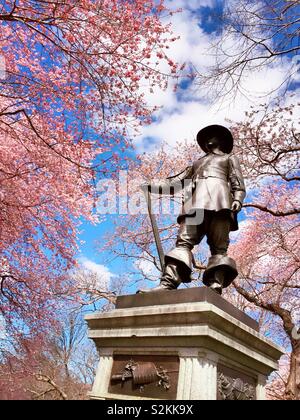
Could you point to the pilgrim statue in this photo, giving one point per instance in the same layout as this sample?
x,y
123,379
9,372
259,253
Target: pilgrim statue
x,y
217,192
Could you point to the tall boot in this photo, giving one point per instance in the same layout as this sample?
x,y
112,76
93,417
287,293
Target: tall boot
x,y
170,279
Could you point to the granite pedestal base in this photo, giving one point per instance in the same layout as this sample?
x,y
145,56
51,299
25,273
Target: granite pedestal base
x,y
188,344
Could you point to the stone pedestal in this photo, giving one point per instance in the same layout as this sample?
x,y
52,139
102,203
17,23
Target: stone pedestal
x,y
187,344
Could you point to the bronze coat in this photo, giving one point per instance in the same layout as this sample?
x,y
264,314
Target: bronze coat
x,y
212,183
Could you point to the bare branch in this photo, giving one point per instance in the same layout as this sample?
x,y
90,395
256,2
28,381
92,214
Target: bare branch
x,y
273,212
48,380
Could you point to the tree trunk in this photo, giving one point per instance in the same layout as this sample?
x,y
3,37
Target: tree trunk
x,y
293,385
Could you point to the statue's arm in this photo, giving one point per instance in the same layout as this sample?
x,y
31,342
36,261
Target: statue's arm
x,y
170,185
236,180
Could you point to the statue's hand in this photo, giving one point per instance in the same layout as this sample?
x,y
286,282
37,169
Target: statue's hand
x,y
236,207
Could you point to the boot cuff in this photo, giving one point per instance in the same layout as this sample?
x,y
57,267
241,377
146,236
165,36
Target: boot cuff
x,y
183,255
220,262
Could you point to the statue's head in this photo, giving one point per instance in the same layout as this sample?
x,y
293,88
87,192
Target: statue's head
x,y
215,136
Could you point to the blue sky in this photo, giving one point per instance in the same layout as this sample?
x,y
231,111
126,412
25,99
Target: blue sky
x,y
185,112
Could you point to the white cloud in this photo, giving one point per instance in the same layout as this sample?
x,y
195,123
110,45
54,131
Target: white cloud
x,y
182,116
188,4
104,275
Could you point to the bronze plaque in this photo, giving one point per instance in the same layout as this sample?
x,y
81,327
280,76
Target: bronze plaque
x,y
150,376
234,385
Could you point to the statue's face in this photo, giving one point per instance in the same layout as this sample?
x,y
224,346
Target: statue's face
x,y
213,143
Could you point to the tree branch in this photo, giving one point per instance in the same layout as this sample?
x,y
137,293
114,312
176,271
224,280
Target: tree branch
x,y
48,380
273,212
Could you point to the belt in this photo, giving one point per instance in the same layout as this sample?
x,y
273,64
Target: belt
x,y
210,174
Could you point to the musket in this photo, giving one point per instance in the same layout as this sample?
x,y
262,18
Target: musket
x,y
155,229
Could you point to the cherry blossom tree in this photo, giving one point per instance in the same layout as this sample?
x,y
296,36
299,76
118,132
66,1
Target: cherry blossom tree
x,y
268,144
71,100
268,258
59,366
277,385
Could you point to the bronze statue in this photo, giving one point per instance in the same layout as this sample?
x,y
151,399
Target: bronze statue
x,y
217,195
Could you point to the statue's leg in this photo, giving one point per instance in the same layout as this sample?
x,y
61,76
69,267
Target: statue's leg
x,y
173,274
221,269
179,262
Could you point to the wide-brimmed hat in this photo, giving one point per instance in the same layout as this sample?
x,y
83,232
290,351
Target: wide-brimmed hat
x,y
222,133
